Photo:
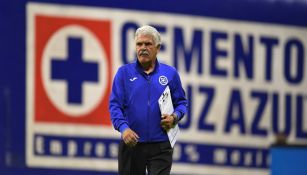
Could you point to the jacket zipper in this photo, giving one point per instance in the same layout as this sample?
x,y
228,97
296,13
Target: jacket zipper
x,y
148,108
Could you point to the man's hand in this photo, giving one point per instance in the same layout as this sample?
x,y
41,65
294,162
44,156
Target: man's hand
x,y
167,122
130,137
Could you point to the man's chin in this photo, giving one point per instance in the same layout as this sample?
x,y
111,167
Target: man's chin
x,y
144,60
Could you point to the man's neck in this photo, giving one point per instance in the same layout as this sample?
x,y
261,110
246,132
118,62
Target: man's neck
x,y
148,67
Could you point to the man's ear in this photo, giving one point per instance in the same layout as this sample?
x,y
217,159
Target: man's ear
x,y
159,47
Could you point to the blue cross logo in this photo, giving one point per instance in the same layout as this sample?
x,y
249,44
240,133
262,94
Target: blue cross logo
x,y
163,80
74,70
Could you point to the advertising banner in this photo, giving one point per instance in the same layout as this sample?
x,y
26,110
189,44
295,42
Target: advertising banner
x,y
245,82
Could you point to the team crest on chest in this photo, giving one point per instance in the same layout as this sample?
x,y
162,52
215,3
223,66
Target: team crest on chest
x,y
163,80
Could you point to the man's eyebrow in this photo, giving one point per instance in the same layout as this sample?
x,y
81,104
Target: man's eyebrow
x,y
145,42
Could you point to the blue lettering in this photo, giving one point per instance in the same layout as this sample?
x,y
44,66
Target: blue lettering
x,y
235,114
269,43
288,111
184,124
294,44
128,28
194,52
209,91
300,133
243,57
217,53
262,98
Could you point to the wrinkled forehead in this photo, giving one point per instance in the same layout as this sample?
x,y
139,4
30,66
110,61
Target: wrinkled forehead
x,y
144,37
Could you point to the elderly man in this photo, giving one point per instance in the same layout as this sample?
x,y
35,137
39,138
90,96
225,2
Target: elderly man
x,y
135,110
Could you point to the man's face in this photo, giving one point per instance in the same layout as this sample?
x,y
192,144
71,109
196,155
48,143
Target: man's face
x,y
146,49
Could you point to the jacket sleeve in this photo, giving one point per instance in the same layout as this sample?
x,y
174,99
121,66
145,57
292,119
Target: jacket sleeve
x,y
117,102
178,96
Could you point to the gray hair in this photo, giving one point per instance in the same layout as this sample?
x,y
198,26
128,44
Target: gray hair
x,y
149,30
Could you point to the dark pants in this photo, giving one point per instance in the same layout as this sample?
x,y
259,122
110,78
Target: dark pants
x,y
156,157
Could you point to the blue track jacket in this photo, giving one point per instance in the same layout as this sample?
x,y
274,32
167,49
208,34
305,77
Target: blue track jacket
x,y
134,99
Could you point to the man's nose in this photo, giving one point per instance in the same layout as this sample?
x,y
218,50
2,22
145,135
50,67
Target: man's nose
x,y
144,47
